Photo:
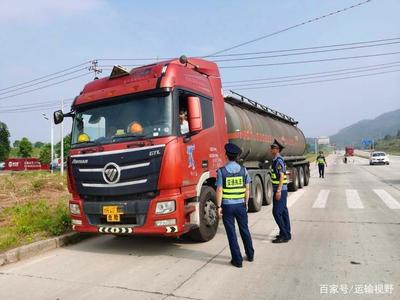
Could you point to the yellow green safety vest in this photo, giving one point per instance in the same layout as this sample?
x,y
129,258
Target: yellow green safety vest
x,y
274,176
321,160
233,185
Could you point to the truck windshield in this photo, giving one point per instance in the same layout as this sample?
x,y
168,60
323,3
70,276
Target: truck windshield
x,y
128,118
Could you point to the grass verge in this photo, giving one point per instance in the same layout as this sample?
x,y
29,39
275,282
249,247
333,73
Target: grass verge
x,y
33,206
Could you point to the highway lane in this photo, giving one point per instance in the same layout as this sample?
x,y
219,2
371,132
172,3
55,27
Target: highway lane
x,y
345,244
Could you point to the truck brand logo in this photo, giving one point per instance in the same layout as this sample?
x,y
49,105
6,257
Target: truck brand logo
x,y
111,173
155,152
80,161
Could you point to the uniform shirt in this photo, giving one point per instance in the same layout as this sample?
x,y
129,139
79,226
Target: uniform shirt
x,y
231,167
279,168
321,157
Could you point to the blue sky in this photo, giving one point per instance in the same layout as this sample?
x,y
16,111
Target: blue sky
x,y
43,36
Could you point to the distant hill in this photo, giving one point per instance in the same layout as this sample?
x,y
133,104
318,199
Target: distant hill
x,y
385,124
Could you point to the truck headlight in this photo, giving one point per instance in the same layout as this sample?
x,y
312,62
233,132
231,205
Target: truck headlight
x,y
165,207
168,222
74,209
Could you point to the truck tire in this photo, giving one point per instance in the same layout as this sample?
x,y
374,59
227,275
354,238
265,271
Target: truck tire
x,y
300,172
306,175
268,191
294,185
208,216
257,193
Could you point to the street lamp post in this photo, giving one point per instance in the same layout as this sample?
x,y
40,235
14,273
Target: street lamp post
x,y
51,139
62,142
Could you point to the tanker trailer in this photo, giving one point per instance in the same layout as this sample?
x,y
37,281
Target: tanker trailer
x,y
253,127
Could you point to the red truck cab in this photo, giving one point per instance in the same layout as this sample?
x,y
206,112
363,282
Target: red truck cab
x,y
131,169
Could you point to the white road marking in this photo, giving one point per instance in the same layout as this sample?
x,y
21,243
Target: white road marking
x,y
294,197
321,199
388,199
290,202
353,199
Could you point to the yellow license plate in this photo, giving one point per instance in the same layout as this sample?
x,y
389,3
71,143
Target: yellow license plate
x,y
113,213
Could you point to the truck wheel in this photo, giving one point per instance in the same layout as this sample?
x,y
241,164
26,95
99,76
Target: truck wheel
x,y
268,191
294,185
256,201
208,216
306,175
300,172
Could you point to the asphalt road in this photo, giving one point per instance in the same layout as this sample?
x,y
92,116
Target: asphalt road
x,y
345,245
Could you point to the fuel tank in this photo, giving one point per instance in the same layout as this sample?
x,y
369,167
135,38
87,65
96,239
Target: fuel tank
x,y
253,127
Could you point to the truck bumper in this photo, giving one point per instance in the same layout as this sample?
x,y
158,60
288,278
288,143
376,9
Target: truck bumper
x,y
181,217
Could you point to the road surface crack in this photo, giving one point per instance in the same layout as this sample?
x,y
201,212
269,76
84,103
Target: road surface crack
x,y
96,285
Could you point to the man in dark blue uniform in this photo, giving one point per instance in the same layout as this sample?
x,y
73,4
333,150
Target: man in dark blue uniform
x,y
321,162
279,183
233,186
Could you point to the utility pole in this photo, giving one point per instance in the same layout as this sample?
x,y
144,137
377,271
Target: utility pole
x,y
95,68
62,142
51,140
316,145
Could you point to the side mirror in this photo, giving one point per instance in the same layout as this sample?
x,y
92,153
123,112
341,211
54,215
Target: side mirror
x,y
195,119
58,116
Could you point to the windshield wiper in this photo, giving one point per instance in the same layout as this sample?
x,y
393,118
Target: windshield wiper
x,y
129,135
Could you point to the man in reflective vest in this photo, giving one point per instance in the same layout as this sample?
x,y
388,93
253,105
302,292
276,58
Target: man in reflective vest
x,y
321,162
233,186
279,183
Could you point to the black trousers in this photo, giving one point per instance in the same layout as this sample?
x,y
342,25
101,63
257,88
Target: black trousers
x,y
321,169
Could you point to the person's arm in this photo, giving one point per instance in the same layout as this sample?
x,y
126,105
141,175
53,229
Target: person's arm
x,y
326,165
247,194
219,200
282,171
219,192
279,189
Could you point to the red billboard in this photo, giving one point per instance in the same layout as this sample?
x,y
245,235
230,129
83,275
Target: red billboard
x,y
24,164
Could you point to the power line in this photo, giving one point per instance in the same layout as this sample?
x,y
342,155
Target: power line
x,y
386,41
306,52
315,73
34,108
45,86
35,104
43,81
307,48
45,76
289,28
308,61
309,76
316,81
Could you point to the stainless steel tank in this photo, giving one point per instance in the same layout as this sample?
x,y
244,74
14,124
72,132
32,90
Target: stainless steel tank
x,y
254,130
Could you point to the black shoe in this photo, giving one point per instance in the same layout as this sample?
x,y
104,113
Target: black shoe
x,y
280,240
237,265
250,259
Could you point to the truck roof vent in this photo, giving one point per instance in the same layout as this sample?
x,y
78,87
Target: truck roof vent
x,y
118,71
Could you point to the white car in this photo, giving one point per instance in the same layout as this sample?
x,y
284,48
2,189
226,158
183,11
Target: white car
x,y
378,157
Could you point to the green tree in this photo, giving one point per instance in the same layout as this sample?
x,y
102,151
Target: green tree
x,y
45,154
67,146
38,144
16,143
25,148
4,142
